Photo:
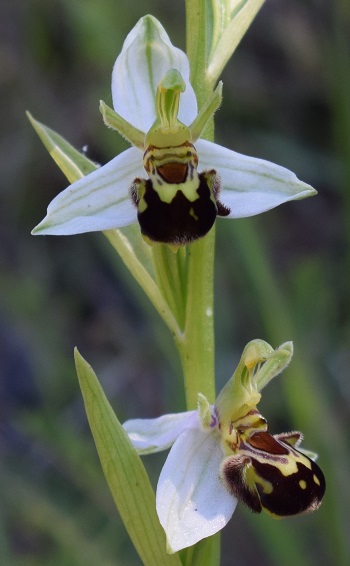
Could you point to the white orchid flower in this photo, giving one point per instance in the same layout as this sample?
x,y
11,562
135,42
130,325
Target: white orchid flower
x,y
156,110
224,453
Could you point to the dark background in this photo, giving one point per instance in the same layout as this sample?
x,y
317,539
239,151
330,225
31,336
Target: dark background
x,y
283,275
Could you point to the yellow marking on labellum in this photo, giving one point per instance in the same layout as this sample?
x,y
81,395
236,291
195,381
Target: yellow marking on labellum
x,y
316,480
193,214
188,189
141,190
303,484
253,479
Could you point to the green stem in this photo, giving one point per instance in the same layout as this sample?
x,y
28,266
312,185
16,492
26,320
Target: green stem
x,y
170,275
197,347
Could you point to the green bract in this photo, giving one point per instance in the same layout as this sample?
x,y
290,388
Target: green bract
x,y
101,201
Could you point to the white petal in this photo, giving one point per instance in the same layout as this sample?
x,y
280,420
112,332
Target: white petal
x,y
99,201
152,435
192,502
250,185
146,56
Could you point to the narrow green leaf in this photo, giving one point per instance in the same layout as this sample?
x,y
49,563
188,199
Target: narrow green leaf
x,y
125,474
72,163
231,21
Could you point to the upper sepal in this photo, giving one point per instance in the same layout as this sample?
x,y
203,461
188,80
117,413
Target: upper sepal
x,y
146,57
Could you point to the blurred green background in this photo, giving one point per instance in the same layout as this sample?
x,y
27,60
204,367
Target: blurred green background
x,y
283,275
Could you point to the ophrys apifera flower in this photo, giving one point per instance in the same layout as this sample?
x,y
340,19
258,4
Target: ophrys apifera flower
x,y
171,181
224,453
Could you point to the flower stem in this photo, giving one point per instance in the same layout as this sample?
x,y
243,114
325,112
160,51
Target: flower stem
x,y
197,347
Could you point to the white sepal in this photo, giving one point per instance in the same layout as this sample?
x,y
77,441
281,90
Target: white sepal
x,y
152,435
192,503
250,185
99,201
146,56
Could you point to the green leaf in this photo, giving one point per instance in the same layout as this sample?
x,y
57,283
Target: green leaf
x,y
232,19
72,163
125,474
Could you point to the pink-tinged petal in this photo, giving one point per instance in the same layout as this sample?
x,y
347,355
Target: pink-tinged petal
x,y
152,435
250,185
99,201
146,56
192,502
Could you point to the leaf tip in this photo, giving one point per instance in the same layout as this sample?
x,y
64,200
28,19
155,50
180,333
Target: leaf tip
x,y
78,358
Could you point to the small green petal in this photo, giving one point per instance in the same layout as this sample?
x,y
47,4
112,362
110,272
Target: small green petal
x,y
126,130
206,112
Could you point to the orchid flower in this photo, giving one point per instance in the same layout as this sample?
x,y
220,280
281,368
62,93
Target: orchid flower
x,y
155,109
224,453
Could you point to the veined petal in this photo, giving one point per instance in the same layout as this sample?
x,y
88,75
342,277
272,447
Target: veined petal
x,y
250,185
152,435
192,503
146,56
99,201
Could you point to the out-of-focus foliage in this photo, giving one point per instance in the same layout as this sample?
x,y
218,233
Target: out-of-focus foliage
x,y
281,276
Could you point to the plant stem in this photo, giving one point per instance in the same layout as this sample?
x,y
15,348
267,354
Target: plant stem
x,y
197,347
